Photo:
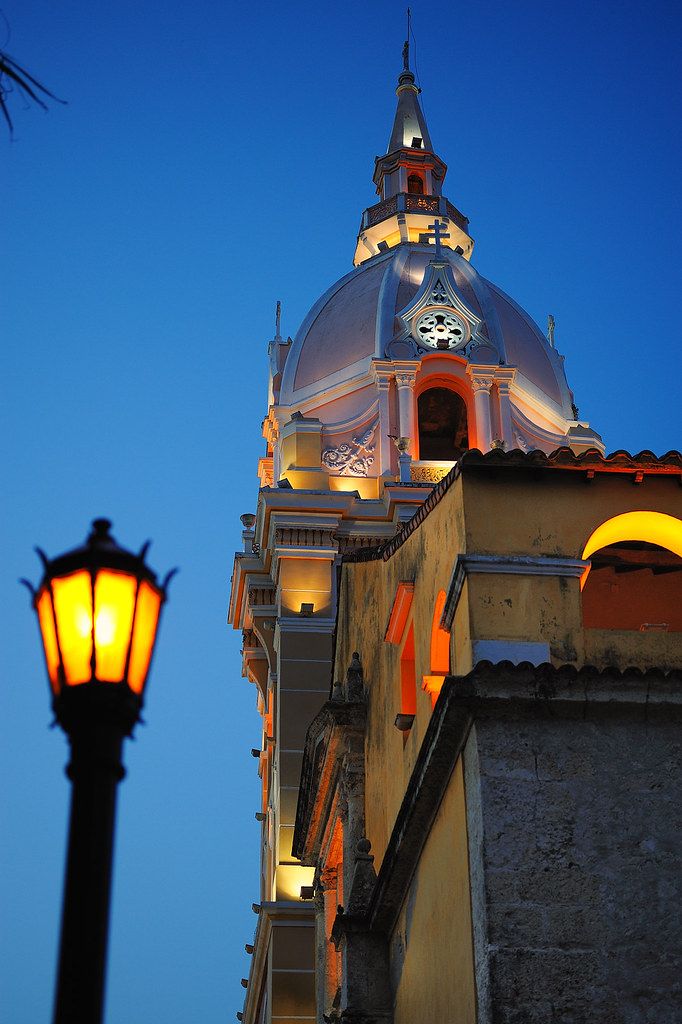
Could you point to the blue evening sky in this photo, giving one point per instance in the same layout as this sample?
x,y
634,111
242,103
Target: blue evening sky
x,y
215,157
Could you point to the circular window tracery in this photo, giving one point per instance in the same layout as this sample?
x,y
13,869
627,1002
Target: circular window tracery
x,y
440,328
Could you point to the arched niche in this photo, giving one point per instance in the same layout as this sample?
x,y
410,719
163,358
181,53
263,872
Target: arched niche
x,y
634,581
443,424
415,184
439,652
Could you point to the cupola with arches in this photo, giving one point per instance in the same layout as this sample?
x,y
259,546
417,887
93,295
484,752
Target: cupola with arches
x,y
413,344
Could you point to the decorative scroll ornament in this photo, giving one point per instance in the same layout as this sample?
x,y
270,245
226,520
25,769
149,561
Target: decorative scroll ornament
x,y
354,458
428,474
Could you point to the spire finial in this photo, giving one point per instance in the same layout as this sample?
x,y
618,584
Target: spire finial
x,y
406,47
278,319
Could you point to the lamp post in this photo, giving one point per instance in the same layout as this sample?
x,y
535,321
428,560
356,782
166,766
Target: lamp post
x,y
98,608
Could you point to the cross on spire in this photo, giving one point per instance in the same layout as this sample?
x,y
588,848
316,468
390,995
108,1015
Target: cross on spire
x,y
438,234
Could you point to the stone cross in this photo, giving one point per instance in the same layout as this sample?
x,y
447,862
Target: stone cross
x,y
436,230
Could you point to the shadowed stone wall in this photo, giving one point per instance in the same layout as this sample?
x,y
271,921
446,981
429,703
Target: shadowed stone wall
x,y
574,818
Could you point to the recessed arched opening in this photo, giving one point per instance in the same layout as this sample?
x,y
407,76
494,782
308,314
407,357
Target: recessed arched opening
x,y
415,184
634,581
408,687
443,426
440,652
408,683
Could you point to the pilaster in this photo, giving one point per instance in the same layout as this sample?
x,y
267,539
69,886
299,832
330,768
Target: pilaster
x,y
405,379
482,379
504,378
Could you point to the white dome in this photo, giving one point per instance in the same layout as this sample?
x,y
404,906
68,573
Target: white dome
x,y
357,320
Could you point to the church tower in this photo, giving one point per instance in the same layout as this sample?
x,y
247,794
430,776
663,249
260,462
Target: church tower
x,y
404,364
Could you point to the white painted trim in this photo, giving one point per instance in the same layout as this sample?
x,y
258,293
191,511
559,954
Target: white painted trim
x,y
525,565
301,624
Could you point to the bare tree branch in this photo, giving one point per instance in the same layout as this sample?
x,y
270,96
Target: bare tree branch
x,y
14,78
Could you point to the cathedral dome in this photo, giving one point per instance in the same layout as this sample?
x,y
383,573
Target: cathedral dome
x,y
413,355
359,319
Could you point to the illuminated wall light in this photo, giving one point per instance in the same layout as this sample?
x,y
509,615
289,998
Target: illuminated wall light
x,y
307,609
307,892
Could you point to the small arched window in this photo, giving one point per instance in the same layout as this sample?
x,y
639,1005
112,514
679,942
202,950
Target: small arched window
x,y
415,184
443,430
635,578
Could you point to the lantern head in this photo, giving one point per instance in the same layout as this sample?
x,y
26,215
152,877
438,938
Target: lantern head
x,y
98,608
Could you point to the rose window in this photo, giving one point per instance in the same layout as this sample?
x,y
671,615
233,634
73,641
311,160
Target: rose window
x,y
440,328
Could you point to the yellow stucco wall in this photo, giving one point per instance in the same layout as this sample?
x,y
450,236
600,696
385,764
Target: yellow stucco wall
x,y
509,512
367,593
431,947
514,512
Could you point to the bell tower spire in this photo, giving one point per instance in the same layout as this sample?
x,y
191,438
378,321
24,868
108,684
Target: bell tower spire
x,y
409,179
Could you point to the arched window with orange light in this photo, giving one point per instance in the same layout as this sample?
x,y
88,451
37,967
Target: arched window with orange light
x,y
440,652
634,580
415,184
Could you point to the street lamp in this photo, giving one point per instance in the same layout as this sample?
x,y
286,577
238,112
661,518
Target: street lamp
x,y
98,609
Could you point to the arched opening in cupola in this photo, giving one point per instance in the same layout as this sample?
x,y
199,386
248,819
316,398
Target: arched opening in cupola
x,y
635,577
415,184
443,428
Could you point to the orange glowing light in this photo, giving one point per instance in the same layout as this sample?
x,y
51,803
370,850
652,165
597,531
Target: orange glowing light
x,y
440,639
650,527
146,620
114,607
73,612
98,608
49,634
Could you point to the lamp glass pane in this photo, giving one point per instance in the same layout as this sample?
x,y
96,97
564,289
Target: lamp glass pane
x,y
73,611
146,621
49,635
114,606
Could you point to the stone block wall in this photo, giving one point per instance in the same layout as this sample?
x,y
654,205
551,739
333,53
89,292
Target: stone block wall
x,y
575,838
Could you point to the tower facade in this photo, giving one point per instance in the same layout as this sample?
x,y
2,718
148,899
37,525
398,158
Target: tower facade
x,y
404,365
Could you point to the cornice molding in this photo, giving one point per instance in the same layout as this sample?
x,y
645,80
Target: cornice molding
x,y
510,565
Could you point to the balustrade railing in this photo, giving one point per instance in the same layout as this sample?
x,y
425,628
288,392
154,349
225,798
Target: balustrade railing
x,y
409,202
